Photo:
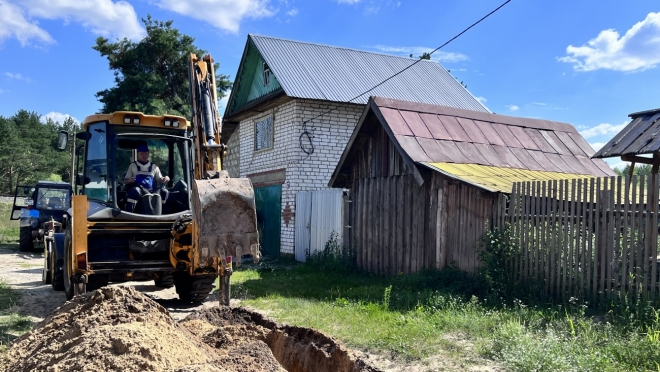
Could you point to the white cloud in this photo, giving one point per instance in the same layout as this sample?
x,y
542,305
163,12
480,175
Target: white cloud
x,y
637,50
292,13
223,14
602,129
512,108
2,91
14,25
17,76
102,17
347,1
56,117
418,51
597,145
539,104
481,99
372,8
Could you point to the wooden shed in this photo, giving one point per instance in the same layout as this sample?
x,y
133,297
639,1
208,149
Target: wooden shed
x,y
424,179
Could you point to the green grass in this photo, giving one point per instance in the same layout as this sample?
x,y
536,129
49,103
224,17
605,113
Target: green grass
x,y
12,324
9,229
412,317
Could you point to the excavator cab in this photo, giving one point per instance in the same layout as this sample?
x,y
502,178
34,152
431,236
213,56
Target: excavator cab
x,y
182,233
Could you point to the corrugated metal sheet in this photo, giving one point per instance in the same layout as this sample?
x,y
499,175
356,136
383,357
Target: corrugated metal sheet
x,y
438,134
326,218
318,214
496,179
303,224
314,71
640,136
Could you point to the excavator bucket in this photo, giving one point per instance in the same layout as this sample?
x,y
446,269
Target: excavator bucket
x,y
224,211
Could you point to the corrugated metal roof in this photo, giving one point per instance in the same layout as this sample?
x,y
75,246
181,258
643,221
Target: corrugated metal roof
x,y
496,179
641,136
315,71
432,133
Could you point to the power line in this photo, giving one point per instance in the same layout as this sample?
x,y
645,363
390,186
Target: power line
x,y
305,132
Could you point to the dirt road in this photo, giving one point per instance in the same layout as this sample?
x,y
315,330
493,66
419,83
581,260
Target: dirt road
x,y
23,272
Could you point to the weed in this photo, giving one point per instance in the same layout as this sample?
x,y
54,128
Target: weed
x,y
333,257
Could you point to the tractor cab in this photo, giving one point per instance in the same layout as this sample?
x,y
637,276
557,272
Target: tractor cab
x,y
36,205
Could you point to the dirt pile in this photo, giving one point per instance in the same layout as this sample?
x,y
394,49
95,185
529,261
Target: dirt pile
x,y
120,329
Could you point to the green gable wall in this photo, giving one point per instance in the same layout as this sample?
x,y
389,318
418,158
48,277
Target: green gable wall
x,y
250,82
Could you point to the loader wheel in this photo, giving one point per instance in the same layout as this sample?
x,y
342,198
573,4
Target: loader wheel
x,y
25,243
164,279
96,281
193,288
70,288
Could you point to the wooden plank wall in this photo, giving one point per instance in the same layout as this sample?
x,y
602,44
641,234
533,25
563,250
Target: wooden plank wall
x,y
591,239
468,212
390,224
398,226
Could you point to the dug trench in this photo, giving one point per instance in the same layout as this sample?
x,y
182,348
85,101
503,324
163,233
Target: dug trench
x,y
120,329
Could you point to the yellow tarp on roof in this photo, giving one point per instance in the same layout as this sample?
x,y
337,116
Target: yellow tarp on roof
x,y
496,178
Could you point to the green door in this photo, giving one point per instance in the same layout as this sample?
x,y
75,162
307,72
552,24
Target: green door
x,y
269,217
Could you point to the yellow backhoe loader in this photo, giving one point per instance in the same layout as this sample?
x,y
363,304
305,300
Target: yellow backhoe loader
x,y
183,232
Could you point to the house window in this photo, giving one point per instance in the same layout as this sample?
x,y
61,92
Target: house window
x,y
266,74
263,134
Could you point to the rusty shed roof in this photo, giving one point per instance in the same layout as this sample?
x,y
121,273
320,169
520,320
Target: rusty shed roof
x,y
641,136
430,134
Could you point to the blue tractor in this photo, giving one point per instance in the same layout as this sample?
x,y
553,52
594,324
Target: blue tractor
x,y
41,210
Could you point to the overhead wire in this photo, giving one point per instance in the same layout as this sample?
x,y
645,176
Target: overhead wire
x,y
306,134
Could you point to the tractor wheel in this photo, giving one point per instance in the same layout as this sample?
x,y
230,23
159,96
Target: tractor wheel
x,y
193,288
46,276
56,272
164,279
25,243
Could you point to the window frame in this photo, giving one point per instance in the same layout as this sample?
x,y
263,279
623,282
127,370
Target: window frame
x,y
266,73
271,140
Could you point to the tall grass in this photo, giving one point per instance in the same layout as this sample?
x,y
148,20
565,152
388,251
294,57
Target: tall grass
x,y
9,230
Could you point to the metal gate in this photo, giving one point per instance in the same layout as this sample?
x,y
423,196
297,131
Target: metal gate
x,y
318,214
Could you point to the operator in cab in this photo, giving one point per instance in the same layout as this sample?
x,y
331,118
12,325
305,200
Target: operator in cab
x,y
141,178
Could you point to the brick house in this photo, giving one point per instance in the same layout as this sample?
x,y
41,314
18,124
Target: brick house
x,y
293,108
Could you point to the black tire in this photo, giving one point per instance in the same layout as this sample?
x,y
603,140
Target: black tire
x,y
164,279
96,281
193,288
25,243
57,272
46,276
67,271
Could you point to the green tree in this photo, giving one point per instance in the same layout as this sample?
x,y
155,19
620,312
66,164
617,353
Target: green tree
x,y
27,151
151,76
640,170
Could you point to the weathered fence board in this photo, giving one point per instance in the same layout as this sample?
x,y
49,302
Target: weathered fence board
x,y
592,239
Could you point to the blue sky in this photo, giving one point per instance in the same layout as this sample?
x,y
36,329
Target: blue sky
x,y
588,63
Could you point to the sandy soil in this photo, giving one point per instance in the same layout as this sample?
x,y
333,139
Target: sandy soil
x,y
210,325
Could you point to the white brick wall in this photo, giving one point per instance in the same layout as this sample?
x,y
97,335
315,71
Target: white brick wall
x,y
330,134
233,155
